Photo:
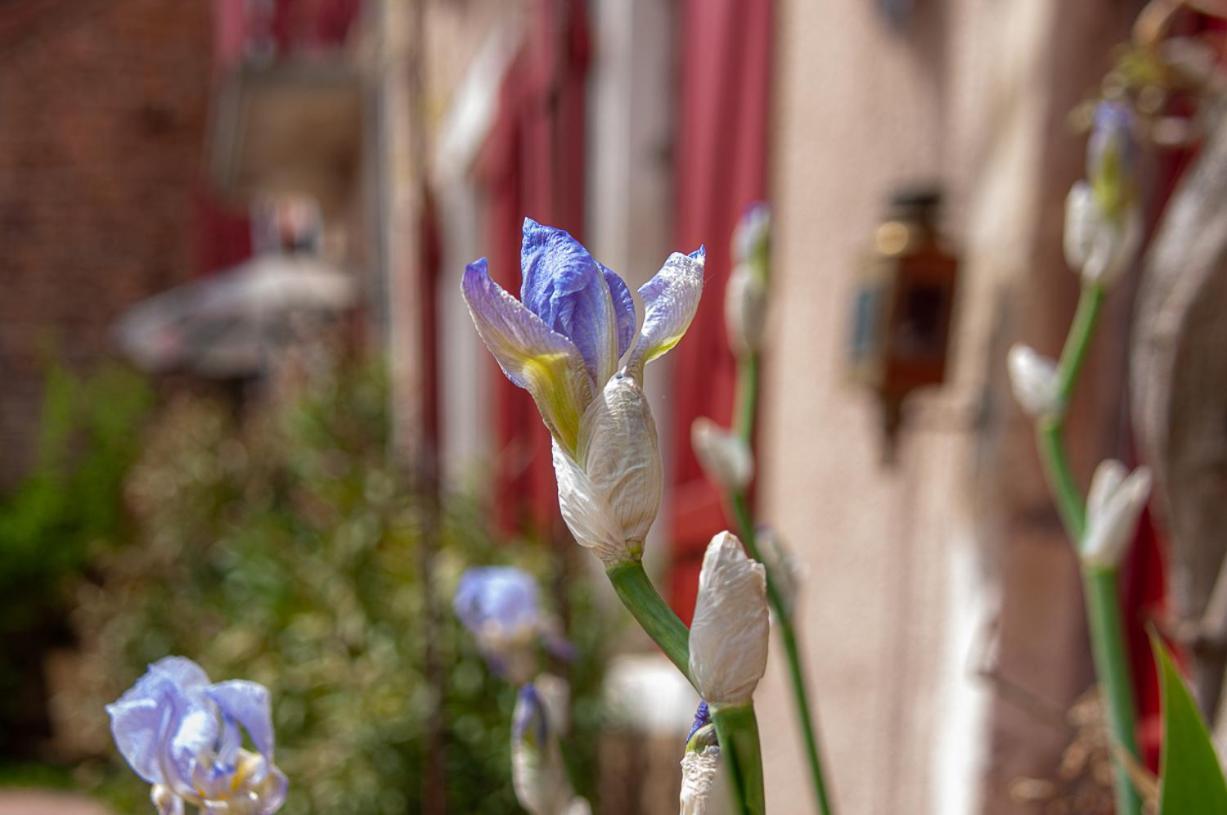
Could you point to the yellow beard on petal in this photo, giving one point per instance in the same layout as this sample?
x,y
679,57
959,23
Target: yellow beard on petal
x,y
548,380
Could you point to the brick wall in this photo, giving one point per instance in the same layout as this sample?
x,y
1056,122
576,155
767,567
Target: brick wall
x,y
103,105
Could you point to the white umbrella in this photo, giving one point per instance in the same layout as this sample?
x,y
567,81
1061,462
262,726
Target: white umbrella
x,y
227,324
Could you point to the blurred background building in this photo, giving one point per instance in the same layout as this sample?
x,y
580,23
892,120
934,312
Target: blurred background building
x,y
291,170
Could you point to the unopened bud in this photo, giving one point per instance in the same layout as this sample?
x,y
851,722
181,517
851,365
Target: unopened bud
x,y
538,773
782,566
1113,506
729,633
1034,381
745,294
724,456
1099,248
745,309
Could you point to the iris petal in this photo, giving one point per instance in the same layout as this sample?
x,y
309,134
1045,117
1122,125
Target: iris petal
x,y
194,738
502,595
183,672
150,714
624,309
137,724
568,290
247,703
670,300
534,357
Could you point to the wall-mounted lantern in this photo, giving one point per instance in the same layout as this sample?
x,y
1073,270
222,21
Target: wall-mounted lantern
x,y
903,307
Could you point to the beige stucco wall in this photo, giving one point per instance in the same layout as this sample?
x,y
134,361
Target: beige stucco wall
x,y
911,567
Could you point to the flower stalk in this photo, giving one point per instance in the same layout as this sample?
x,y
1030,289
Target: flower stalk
x,y
633,587
737,729
1102,597
751,245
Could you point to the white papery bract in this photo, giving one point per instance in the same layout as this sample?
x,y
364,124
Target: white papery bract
x,y
1113,506
730,630
700,767
724,456
610,493
1033,378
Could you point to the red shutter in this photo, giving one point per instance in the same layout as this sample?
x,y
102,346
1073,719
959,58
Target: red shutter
x,y
533,165
721,169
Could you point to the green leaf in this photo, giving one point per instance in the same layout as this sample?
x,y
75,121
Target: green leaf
x,y
1190,777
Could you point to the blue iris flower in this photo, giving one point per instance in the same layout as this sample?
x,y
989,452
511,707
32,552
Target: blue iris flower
x,y
184,735
574,325
499,605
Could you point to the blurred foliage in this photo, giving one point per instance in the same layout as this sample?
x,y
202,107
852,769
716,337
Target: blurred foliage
x,y
64,512
284,549
71,502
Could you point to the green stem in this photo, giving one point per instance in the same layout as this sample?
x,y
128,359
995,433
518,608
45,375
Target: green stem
x,y
737,728
746,408
1102,600
642,600
1051,429
796,668
1112,665
1050,438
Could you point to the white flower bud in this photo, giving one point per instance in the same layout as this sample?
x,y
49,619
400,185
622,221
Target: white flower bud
x,y
1099,248
1115,503
729,633
724,456
1034,380
745,309
609,497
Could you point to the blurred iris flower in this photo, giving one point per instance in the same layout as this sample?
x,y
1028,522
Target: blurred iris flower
x,y
1103,214
184,735
499,605
571,342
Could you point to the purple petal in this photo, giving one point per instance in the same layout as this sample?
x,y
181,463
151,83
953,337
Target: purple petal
x,y
534,357
149,715
138,726
274,793
624,309
567,289
670,301
183,672
248,704
529,718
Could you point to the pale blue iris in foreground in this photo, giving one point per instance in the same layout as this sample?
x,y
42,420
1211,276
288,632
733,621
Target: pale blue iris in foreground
x,y
574,325
184,735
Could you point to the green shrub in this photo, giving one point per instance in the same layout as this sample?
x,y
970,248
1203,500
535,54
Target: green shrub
x,y
288,552
58,518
